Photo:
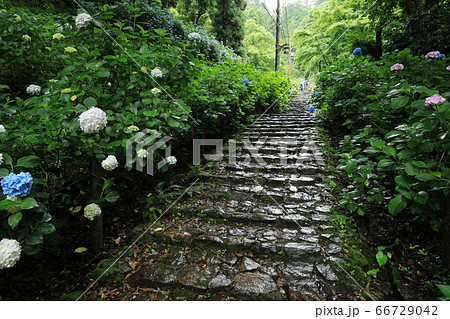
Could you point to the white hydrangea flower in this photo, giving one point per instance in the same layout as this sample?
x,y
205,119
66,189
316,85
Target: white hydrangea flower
x,y
82,20
110,163
91,211
59,28
155,91
26,37
92,120
142,153
194,36
68,26
157,73
58,36
9,252
1,158
2,129
33,89
171,160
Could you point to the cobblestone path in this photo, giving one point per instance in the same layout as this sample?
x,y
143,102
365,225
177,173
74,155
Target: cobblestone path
x,y
257,229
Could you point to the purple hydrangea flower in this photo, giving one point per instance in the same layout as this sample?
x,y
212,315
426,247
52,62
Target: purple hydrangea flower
x,y
434,99
397,67
432,55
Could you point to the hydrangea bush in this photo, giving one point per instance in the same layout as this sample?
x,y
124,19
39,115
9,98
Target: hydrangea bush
x,y
71,98
395,157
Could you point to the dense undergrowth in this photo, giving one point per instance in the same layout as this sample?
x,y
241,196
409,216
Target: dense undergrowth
x,y
393,116
75,90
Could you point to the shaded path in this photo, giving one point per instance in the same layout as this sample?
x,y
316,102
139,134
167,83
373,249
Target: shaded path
x,y
258,229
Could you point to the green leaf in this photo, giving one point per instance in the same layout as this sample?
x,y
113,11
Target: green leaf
x,y
90,102
381,258
421,197
404,154
174,123
3,172
103,73
112,196
409,169
401,181
420,164
7,159
389,150
14,219
6,203
46,228
378,143
28,161
34,239
28,203
435,224
445,289
400,102
108,183
385,163
397,204
424,177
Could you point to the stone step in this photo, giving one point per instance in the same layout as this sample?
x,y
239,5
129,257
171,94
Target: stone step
x,y
310,196
301,169
274,180
247,262
283,214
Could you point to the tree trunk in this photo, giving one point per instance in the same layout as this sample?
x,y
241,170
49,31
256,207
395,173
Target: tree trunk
x,y
379,42
445,233
95,193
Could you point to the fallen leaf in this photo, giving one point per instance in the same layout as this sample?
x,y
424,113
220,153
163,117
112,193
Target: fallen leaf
x,y
80,250
118,240
158,229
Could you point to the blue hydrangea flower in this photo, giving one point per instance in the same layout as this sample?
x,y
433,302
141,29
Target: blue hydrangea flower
x,y
246,82
324,66
221,72
316,93
312,109
442,56
290,92
17,185
385,54
357,51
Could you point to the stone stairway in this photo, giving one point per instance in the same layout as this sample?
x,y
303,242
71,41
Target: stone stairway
x,y
258,228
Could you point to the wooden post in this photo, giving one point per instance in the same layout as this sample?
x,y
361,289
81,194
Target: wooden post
x,y
95,192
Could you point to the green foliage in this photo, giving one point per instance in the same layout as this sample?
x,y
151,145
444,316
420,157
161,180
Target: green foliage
x,y
84,68
228,23
397,156
332,29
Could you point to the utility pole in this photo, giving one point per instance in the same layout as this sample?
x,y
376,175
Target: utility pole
x,y
278,32
290,53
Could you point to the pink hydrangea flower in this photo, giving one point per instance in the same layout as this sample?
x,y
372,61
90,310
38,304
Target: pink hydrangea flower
x,y
397,66
435,99
432,55
448,68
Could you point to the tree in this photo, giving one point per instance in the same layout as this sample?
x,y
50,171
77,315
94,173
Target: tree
x,y
258,44
228,23
330,32
195,10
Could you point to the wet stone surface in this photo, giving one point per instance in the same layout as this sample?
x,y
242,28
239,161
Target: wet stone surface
x,y
256,229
